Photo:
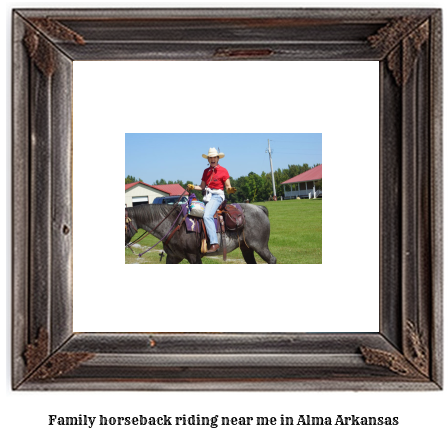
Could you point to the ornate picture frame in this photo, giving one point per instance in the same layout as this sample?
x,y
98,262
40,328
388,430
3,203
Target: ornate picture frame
x,y
406,353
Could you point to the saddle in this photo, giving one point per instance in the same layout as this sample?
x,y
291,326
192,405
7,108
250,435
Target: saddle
x,y
230,218
233,216
227,217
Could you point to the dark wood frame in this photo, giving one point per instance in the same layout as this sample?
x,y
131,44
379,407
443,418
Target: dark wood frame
x,y
406,354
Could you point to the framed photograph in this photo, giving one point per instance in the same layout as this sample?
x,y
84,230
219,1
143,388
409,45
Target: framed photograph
x,y
52,351
245,157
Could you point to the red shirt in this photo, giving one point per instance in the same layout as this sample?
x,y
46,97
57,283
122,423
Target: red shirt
x,y
215,177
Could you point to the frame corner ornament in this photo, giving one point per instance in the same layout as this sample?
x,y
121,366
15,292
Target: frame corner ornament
x,y
37,351
40,365
401,56
417,348
395,362
40,50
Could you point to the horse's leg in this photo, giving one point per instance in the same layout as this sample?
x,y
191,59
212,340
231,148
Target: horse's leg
x,y
256,233
189,245
194,258
251,243
266,255
172,260
248,254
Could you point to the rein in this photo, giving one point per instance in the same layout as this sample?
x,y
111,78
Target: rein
x,y
128,225
128,221
174,206
169,231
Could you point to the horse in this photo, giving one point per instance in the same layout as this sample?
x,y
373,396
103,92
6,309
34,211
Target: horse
x,y
252,238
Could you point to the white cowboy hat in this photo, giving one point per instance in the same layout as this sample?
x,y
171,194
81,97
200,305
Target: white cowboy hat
x,y
212,152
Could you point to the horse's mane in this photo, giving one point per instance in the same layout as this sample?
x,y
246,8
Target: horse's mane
x,y
149,213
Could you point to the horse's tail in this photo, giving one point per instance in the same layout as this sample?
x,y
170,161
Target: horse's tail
x,y
266,211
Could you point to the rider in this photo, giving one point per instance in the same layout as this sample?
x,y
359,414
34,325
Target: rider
x,y
214,179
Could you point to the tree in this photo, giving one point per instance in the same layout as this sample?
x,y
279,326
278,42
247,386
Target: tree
x,y
265,186
250,187
293,170
242,189
130,179
235,197
254,187
280,175
268,189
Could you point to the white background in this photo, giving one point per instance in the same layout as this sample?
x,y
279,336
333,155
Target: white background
x,y
420,414
113,98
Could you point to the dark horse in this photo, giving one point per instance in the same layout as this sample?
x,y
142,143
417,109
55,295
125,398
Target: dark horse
x,y
185,245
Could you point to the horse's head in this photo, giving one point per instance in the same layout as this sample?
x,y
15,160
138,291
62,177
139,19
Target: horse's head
x,y
130,228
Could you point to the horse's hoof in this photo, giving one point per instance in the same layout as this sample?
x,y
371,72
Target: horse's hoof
x,y
213,248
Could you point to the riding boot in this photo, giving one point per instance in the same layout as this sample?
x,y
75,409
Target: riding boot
x,y
213,248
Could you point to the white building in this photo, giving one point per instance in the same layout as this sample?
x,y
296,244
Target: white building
x,y
303,184
141,193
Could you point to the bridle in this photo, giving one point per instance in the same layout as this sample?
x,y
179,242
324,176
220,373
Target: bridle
x,y
128,224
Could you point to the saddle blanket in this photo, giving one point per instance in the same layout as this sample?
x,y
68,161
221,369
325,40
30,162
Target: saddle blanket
x,y
193,225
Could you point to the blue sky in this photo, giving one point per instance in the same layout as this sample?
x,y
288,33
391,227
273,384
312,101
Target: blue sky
x,y
152,157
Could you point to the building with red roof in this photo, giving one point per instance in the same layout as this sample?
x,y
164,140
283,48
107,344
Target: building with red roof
x,y
137,193
303,184
172,189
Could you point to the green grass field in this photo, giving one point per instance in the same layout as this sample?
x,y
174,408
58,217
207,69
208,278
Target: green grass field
x,y
296,236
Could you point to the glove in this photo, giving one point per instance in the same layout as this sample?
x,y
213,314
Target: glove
x,y
190,187
231,190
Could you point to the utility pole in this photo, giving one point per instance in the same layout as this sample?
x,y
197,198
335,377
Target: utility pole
x,y
272,171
